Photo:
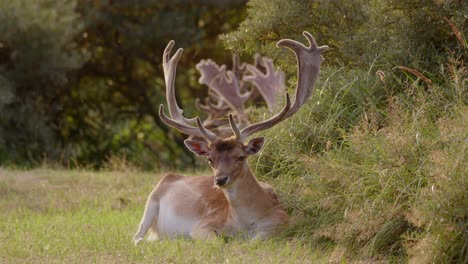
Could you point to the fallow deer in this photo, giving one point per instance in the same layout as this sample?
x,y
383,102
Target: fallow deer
x,y
232,201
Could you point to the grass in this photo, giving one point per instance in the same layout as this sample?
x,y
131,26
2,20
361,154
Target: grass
x,y
60,216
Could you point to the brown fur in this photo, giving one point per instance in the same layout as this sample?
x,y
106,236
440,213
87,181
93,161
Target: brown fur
x,y
224,145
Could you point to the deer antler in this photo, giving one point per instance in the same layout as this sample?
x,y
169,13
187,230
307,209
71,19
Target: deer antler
x,y
217,110
224,83
309,60
308,67
226,86
257,127
177,120
270,84
170,68
214,105
238,68
215,113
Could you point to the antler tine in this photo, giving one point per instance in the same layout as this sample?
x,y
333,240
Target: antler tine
x,y
170,69
308,60
177,120
220,106
257,127
237,67
215,112
210,136
214,97
212,108
258,62
201,106
186,128
213,102
235,128
270,84
239,70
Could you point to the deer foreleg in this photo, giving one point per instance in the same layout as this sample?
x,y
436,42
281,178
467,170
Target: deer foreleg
x,y
149,217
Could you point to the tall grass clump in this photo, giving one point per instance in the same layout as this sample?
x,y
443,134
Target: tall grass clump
x,y
375,166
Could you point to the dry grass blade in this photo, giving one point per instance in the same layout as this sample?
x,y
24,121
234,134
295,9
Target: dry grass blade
x,y
456,31
415,72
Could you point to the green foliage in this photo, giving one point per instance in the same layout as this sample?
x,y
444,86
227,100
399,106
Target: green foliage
x,y
269,21
406,32
37,56
374,166
415,33
81,81
114,107
441,207
377,168
375,163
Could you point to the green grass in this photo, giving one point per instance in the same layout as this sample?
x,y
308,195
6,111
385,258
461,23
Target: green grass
x,y
60,216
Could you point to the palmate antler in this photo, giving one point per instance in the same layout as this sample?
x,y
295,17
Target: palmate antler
x,y
177,120
267,82
309,60
270,84
224,83
214,105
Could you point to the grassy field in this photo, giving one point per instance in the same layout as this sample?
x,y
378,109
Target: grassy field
x,y
60,216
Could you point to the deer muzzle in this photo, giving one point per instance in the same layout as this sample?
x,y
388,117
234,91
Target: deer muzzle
x,y
221,180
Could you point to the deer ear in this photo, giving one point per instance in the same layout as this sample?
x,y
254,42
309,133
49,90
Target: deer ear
x,y
255,145
198,147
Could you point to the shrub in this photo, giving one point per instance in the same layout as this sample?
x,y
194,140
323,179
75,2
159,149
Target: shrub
x,y
377,168
37,57
409,32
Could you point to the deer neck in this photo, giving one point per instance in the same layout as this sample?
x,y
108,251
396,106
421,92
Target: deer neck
x,y
246,197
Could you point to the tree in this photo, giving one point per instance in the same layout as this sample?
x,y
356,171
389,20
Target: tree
x,y
82,80
114,108
358,32
38,57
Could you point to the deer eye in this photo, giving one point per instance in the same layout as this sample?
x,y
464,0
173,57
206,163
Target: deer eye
x,y
241,158
210,161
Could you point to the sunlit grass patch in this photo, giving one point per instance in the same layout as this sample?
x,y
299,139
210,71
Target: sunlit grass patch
x,y
57,216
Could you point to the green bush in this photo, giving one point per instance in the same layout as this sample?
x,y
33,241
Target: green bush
x,y
413,33
377,169
81,81
374,165
37,56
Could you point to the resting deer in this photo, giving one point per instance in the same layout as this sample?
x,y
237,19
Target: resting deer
x,y
232,201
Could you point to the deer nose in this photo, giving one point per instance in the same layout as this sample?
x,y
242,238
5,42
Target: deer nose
x,y
221,181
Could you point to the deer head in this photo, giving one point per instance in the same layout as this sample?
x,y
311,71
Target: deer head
x,y
227,154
